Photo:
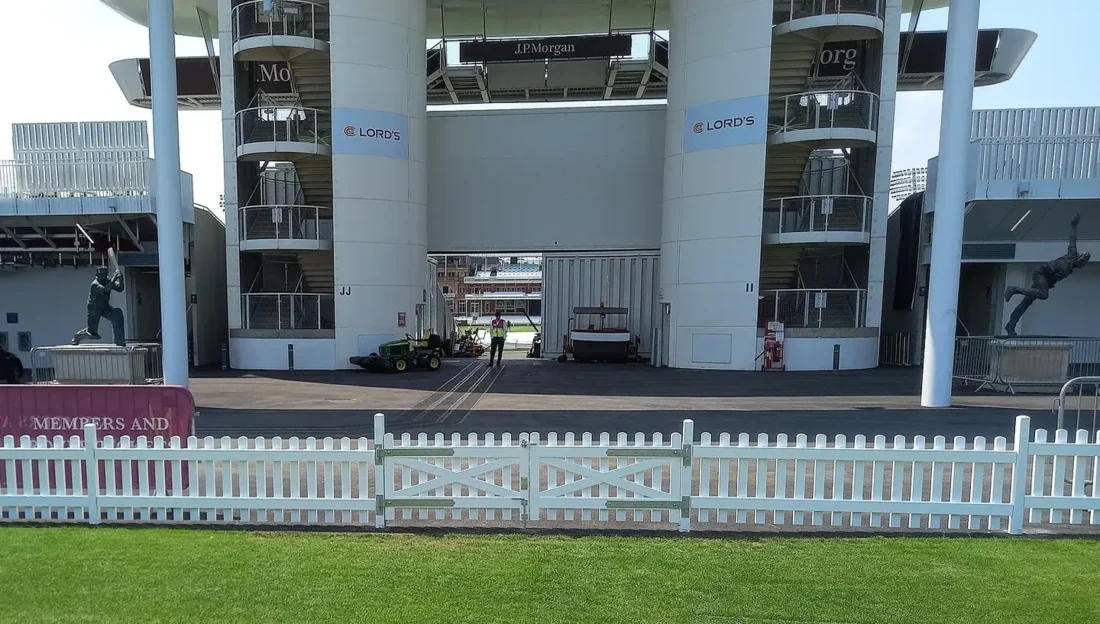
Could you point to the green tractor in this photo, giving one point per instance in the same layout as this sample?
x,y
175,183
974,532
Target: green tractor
x,y
403,354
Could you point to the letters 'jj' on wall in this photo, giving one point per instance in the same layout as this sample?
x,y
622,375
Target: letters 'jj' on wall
x,y
728,123
364,132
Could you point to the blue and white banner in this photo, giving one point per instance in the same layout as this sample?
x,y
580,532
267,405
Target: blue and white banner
x,y
728,123
364,132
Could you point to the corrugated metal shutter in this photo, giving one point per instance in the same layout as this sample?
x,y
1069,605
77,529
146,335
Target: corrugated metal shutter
x,y
81,157
280,186
571,280
1035,122
825,175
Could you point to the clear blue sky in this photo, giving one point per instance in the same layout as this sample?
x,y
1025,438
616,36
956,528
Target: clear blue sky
x,y
55,69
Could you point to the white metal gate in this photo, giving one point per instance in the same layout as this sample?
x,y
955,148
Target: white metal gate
x,y
517,480
448,476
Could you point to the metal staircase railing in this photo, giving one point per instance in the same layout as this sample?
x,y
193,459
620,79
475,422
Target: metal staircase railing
x,y
812,110
790,10
288,311
816,307
281,124
290,18
275,222
817,213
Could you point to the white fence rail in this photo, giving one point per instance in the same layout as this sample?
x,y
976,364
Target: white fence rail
x,y
718,482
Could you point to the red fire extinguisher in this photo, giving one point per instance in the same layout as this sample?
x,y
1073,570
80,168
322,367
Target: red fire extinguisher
x,y
773,346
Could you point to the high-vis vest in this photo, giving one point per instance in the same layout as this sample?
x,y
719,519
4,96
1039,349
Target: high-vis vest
x,y
499,328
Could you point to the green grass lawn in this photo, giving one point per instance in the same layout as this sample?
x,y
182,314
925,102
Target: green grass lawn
x,y
147,575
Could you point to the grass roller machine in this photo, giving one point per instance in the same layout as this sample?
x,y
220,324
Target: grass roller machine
x,y
400,355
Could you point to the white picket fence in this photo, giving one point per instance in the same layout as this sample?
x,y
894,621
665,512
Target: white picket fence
x,y
717,482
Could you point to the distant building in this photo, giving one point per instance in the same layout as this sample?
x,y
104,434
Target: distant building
x,y
707,216
1030,171
479,286
73,191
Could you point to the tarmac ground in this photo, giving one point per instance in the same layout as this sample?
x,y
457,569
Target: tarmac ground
x,y
524,395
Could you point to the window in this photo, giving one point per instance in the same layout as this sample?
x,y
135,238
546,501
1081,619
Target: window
x,y
24,341
446,290
3,341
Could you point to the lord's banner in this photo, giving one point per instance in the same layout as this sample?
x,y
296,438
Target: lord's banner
x,y
363,132
727,123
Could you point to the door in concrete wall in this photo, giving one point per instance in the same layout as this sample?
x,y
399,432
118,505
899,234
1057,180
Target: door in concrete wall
x,y
146,285
977,299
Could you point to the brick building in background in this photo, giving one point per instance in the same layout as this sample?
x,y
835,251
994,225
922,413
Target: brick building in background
x,y
478,286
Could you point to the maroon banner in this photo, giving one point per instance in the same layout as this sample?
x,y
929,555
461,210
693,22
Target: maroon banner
x,y
52,410
117,411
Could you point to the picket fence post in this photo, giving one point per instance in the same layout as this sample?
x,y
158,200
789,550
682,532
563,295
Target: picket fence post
x,y
379,471
687,441
91,468
1019,474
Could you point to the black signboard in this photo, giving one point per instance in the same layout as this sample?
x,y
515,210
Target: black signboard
x,y
929,52
927,55
660,52
839,58
435,61
594,46
194,78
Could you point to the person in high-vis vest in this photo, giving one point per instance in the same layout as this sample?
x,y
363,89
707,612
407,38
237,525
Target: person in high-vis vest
x,y
498,331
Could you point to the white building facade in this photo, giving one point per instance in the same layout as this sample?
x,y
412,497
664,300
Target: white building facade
x,y
759,192
1029,173
73,191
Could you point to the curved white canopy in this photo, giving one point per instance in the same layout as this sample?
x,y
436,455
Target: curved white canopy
x,y
501,18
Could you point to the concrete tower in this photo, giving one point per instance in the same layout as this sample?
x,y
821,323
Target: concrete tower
x,y
715,148
379,170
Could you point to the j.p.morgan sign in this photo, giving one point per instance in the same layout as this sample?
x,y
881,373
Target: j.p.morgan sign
x,y
728,123
596,46
364,132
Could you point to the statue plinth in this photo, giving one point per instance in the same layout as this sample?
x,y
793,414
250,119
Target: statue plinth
x,y
1030,364
100,364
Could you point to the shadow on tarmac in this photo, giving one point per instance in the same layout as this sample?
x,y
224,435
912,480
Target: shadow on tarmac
x,y
968,422
549,377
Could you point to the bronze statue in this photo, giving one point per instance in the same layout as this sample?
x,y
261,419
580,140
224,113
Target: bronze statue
x,y
99,306
1045,277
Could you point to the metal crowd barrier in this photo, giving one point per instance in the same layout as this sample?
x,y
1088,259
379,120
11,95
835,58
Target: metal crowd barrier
x,y
1087,404
133,364
1024,364
895,349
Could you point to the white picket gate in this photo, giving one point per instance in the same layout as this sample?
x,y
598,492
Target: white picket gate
x,y
719,482
448,477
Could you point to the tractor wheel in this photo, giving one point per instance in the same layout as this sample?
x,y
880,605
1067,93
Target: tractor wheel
x,y
434,363
401,365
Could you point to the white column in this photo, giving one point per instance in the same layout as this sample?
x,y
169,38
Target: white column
x,y
884,148
947,229
168,195
715,146
379,170
229,159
